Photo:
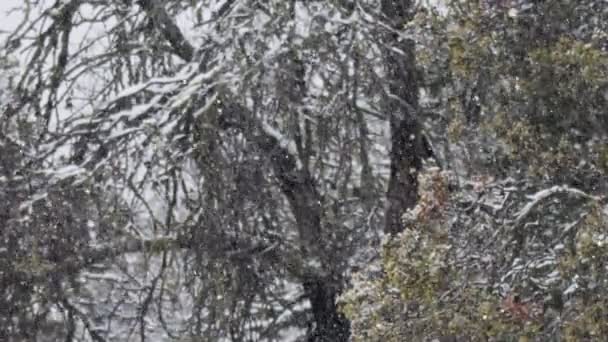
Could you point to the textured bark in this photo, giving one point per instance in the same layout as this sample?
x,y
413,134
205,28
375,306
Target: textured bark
x,y
331,326
407,143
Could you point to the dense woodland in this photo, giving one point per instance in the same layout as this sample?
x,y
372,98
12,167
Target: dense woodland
x,y
292,170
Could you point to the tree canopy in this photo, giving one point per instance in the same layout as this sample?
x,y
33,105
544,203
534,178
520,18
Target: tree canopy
x,y
243,170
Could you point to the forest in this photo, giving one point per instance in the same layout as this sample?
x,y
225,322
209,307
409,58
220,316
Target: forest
x,y
304,170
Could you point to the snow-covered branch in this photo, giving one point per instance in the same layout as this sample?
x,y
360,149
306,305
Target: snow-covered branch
x,y
540,196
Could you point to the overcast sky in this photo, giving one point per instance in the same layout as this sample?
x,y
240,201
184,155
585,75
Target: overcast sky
x,y
8,22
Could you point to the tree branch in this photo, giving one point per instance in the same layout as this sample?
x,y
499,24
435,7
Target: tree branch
x,y
181,46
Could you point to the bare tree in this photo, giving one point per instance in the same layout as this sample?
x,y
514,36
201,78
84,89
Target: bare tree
x,y
237,151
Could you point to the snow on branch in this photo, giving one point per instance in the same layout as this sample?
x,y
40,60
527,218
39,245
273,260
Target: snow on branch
x,y
238,116
52,177
283,142
137,88
542,195
194,86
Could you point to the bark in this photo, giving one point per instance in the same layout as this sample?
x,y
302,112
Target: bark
x,y
407,143
331,326
299,188
169,29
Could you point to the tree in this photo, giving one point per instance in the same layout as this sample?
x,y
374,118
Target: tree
x,y
512,251
304,170
236,155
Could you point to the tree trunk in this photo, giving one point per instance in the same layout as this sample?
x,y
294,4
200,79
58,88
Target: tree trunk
x,y
331,326
300,189
407,143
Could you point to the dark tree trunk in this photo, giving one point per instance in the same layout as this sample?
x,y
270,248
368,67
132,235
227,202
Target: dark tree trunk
x,y
330,324
300,189
407,143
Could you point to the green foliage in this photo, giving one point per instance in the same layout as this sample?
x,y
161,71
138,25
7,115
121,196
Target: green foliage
x,y
430,288
521,84
425,292
538,75
589,322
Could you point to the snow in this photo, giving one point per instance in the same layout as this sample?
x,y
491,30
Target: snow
x,y
137,88
134,112
540,196
134,181
194,86
121,133
210,103
65,172
572,288
549,262
284,143
33,199
366,107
